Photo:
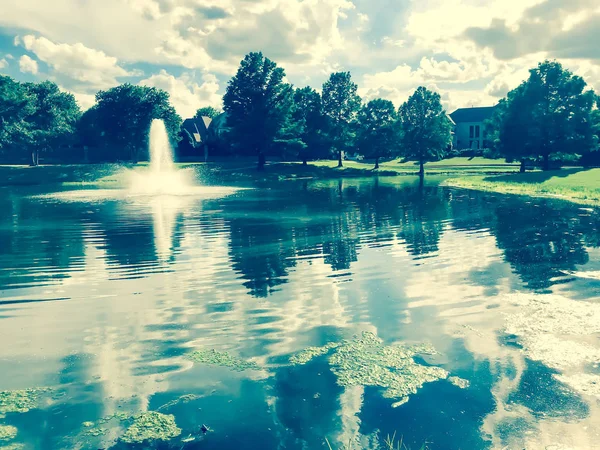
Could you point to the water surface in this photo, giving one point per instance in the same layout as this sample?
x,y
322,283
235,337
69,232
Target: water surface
x,y
101,299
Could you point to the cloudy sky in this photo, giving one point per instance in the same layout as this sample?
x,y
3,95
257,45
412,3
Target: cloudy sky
x,y
471,51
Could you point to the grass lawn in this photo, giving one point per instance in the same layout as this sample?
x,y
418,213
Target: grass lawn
x,y
239,169
578,185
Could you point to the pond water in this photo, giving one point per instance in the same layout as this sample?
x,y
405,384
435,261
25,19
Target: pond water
x,y
199,307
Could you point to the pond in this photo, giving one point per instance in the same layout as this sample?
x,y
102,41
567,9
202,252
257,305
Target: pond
x,y
451,318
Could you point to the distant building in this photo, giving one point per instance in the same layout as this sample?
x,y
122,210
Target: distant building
x,y
197,130
469,132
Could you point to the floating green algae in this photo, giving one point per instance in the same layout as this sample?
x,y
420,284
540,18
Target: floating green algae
x,y
7,433
20,401
151,426
13,446
460,382
183,399
310,353
365,361
223,359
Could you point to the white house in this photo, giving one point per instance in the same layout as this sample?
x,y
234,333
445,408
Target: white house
x,y
469,132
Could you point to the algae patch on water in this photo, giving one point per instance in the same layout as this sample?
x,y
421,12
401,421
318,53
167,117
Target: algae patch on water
x,y
7,433
20,401
222,359
151,426
366,361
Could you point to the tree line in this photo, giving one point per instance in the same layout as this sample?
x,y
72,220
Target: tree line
x,y
550,115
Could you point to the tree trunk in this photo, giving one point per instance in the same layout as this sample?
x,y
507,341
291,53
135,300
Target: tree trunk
x,y
376,163
421,170
261,161
340,159
304,162
35,157
522,169
546,165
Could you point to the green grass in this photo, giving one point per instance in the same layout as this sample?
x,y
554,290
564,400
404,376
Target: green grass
x,y
577,185
241,169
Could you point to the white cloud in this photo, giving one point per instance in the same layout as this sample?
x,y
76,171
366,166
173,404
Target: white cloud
x,y
187,95
3,63
28,65
83,65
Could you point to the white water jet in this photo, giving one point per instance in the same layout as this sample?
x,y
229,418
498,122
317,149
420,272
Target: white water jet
x,y
162,177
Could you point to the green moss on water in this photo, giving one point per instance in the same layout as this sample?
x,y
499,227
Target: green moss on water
x,y
459,382
365,361
13,446
7,433
222,359
20,401
310,353
183,399
151,426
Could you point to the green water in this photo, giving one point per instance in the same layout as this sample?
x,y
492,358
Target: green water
x,y
459,319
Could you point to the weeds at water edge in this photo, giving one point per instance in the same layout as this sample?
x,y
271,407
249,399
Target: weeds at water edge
x,y
390,443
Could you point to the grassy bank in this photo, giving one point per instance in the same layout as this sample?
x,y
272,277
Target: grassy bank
x,y
240,170
577,185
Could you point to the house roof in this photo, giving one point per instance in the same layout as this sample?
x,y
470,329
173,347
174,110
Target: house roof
x,y
197,128
219,122
472,114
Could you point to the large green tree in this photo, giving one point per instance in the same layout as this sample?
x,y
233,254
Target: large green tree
x,y
309,117
117,127
54,120
259,105
16,105
426,129
379,131
549,113
207,111
341,105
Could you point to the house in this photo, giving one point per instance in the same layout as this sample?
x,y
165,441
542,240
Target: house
x,y
469,132
197,130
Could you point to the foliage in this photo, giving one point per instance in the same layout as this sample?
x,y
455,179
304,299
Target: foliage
x,y
7,432
549,113
117,127
20,401
379,131
308,116
426,130
259,105
53,122
16,105
207,111
341,105
35,117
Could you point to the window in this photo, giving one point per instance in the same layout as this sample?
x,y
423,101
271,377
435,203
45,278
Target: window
x,y
471,131
477,131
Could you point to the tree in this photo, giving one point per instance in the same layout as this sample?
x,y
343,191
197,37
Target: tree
x,y
54,120
259,106
120,121
207,111
426,129
341,104
16,105
309,117
378,130
549,113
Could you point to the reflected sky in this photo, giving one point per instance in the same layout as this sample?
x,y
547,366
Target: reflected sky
x,y
103,296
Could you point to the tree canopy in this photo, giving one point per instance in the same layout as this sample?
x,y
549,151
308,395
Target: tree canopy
x,y
118,125
341,105
379,131
207,111
549,113
259,105
426,129
308,115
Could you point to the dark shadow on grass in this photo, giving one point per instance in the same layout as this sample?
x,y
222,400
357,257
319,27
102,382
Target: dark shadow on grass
x,y
535,177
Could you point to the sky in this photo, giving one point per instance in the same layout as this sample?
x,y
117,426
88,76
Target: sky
x,y
470,51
